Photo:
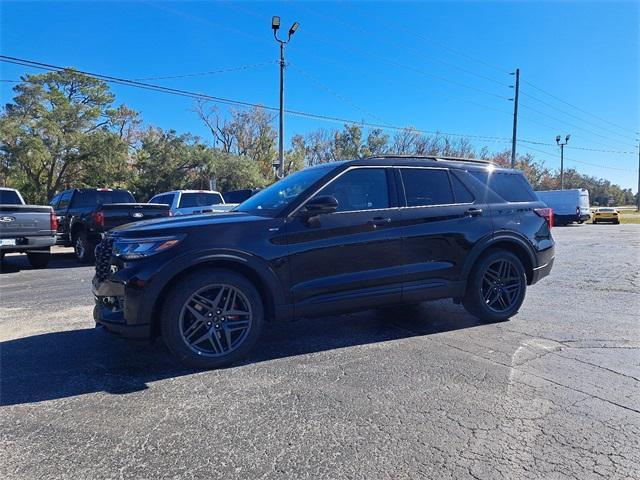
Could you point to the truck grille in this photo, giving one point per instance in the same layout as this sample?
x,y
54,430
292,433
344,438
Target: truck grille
x,y
103,258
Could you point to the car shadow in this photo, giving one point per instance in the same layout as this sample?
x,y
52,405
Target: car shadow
x,y
59,260
69,363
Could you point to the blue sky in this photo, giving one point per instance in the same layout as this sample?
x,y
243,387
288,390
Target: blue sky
x,y
437,66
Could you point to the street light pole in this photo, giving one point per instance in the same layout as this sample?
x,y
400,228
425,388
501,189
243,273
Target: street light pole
x,y
275,25
566,140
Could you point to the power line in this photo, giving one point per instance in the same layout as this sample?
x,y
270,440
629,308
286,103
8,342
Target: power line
x,y
575,116
228,101
528,147
212,72
578,108
215,99
572,124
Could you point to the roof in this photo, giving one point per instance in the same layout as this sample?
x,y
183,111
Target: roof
x,y
428,161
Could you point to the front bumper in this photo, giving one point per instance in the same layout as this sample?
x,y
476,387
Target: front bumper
x,y
113,308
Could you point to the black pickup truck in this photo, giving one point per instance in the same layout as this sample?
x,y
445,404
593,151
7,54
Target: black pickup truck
x,y
84,214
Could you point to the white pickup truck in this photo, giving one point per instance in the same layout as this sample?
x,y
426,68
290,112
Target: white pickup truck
x,y
29,229
191,202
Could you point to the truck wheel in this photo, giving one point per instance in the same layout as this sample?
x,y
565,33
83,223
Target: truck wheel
x,y
496,287
83,247
39,259
213,318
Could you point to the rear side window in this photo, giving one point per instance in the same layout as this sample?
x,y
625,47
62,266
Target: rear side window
x,y
512,187
423,187
462,194
64,200
54,201
91,198
9,197
199,199
359,189
163,199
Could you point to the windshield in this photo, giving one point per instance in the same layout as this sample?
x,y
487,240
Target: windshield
x,y
282,193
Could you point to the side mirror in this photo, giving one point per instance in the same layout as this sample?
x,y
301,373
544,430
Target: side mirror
x,y
319,206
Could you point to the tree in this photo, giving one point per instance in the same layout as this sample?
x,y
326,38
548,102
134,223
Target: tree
x,y
247,133
59,127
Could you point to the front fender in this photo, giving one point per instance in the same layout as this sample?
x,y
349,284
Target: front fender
x,y
151,285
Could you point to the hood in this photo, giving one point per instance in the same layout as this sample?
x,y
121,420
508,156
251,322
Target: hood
x,y
169,225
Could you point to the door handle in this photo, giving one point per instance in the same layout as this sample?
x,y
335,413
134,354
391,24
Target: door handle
x,y
474,212
379,221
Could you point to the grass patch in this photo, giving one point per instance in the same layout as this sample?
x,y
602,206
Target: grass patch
x,y
627,216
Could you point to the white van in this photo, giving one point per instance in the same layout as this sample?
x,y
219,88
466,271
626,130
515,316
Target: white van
x,y
568,205
190,202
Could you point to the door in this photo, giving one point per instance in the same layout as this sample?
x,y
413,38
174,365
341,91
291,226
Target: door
x,y
64,218
352,257
442,222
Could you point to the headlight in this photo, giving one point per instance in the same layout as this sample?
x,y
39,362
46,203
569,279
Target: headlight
x,y
134,248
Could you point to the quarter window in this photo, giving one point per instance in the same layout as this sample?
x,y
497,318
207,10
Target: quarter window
x,y
360,189
512,187
423,187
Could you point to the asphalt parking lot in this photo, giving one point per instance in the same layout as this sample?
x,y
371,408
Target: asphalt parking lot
x,y
427,392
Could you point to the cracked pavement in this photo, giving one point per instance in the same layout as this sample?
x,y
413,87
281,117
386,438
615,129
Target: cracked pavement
x,y
424,392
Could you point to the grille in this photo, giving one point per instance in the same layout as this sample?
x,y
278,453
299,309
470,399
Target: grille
x,y
103,258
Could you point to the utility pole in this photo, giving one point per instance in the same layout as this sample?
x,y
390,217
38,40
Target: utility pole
x,y
275,25
515,119
638,200
566,140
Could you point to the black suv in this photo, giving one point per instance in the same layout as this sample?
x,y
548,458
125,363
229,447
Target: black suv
x,y
333,238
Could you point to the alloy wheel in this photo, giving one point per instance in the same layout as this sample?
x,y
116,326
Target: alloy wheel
x,y
215,320
501,286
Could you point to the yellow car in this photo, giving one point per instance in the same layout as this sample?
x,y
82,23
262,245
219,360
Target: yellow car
x,y
606,214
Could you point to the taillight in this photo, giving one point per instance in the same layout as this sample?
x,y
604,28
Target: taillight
x,y
53,221
98,218
546,213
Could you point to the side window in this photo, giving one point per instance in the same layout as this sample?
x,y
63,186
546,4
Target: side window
x,y
162,199
65,198
512,187
423,187
54,201
360,189
461,193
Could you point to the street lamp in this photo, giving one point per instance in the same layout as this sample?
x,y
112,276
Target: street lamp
x,y
566,140
275,25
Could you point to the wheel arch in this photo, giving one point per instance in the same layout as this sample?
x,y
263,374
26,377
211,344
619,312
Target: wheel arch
x,y
260,276
511,243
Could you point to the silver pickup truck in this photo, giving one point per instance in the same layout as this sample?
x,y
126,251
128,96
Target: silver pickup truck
x,y
29,229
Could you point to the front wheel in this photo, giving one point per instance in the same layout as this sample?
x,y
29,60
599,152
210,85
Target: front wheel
x,y
83,248
496,287
39,259
213,319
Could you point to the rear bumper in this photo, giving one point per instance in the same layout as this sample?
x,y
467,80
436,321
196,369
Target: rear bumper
x,y
542,271
25,244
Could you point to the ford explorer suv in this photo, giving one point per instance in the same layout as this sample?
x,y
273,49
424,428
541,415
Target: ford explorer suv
x,y
29,229
190,202
334,238
84,214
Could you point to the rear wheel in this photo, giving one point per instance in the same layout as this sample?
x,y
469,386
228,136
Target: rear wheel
x,y
83,248
496,287
213,319
39,259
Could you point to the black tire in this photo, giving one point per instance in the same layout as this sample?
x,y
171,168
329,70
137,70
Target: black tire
x,y
83,247
39,259
178,317
501,293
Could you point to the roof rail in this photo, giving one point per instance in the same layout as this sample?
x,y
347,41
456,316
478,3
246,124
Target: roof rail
x,y
434,157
